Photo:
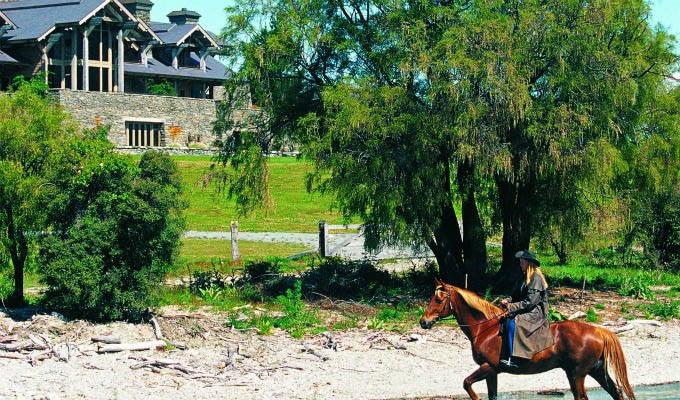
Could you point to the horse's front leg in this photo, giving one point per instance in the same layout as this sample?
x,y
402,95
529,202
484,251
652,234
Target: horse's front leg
x,y
492,386
483,372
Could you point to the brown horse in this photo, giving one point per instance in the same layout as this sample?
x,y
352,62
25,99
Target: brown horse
x,y
580,349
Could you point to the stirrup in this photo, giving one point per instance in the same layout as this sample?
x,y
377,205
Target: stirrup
x,y
509,363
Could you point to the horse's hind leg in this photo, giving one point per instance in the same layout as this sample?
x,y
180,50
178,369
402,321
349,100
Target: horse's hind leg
x,y
492,386
578,388
483,372
606,381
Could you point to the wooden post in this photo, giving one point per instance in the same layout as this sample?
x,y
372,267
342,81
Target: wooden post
x,y
74,59
121,63
235,256
323,239
86,60
62,67
109,56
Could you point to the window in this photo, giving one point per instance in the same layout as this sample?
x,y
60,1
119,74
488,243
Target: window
x,y
144,134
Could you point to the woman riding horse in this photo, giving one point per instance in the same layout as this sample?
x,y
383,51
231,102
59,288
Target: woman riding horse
x,y
527,312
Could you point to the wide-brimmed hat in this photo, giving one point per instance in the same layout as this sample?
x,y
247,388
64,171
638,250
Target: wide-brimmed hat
x,y
527,255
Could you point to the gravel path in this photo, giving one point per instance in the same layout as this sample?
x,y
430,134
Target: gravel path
x,y
366,365
354,250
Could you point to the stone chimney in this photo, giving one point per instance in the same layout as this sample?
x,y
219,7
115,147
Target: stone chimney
x,y
139,8
184,16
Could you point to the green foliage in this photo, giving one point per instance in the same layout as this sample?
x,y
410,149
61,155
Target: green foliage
x,y
661,309
529,114
591,316
297,319
599,306
344,279
36,85
34,137
6,287
204,280
160,88
636,287
375,324
555,316
118,235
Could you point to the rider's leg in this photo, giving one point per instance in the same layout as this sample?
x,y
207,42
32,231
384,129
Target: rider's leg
x,y
511,338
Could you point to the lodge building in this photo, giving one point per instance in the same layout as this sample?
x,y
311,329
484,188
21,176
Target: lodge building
x,y
101,57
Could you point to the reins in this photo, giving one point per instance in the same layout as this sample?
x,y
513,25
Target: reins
x,y
448,294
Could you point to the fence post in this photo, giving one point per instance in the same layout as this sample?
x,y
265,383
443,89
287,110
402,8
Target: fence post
x,y
235,256
323,239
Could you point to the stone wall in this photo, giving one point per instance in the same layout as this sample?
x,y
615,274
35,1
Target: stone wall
x,y
185,120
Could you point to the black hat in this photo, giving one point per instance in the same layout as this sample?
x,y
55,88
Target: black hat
x,y
528,256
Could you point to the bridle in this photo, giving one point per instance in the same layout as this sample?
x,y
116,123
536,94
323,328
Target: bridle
x,y
450,305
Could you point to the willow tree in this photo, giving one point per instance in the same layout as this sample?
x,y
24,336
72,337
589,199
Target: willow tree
x,y
411,108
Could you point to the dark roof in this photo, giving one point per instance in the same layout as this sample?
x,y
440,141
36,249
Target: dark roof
x,y
184,12
173,33
4,19
35,18
6,59
214,70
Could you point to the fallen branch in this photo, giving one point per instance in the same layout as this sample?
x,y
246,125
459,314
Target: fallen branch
x,y
17,346
107,339
159,335
311,351
157,364
12,356
113,348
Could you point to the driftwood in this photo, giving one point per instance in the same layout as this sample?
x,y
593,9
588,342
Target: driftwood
x,y
182,315
12,356
113,348
19,346
157,364
307,349
620,327
159,335
106,339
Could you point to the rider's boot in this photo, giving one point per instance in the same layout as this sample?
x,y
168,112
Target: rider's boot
x,y
509,363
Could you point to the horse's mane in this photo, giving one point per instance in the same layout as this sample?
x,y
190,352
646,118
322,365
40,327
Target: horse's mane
x,y
476,302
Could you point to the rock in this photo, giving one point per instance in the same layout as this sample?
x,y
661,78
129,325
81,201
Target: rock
x,y
416,338
577,314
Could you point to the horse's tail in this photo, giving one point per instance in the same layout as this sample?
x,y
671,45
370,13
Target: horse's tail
x,y
614,360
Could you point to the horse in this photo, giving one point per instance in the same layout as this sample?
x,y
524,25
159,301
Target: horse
x,y
580,349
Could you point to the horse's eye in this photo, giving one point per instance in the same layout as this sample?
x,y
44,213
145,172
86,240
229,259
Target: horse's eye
x,y
439,300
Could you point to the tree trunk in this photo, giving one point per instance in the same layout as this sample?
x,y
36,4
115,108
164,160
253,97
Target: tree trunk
x,y
446,243
18,249
474,237
447,247
515,203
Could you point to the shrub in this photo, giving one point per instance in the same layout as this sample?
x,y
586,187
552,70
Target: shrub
x,y
635,287
344,279
297,320
161,88
121,236
198,146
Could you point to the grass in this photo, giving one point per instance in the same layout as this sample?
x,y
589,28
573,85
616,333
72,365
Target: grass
x,y
295,210
200,252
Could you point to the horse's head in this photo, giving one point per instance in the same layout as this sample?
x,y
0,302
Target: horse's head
x,y
440,305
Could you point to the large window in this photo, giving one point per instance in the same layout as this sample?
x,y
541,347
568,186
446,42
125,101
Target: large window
x,y
144,134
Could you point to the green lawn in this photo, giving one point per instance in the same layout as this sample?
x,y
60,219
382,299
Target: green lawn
x,y
199,252
295,209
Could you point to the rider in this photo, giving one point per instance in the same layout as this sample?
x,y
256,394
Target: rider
x,y
527,311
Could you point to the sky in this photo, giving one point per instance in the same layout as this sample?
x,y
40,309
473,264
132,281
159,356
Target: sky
x,y
664,12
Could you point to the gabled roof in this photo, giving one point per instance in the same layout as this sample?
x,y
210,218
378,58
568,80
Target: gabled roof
x,y
35,19
214,69
176,34
5,20
6,59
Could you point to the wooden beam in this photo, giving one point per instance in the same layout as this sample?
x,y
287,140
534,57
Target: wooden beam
x,y
74,59
121,62
109,53
86,59
62,67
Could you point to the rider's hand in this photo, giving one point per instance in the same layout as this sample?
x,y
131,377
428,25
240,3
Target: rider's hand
x,y
504,304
